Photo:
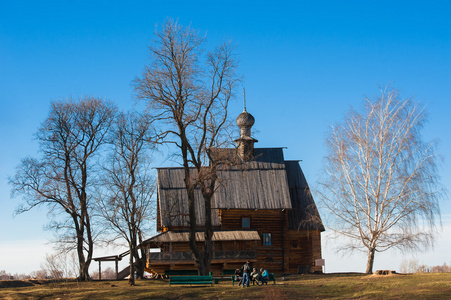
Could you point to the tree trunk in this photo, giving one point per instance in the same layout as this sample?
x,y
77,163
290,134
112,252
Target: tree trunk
x,y
88,259
192,228
83,264
203,265
140,261
370,262
131,279
139,264
84,226
84,267
84,272
205,261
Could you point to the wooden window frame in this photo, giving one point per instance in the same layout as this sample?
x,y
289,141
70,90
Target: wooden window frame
x,y
250,221
267,239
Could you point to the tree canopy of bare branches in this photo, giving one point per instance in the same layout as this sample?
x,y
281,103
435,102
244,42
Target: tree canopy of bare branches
x,y
64,177
59,265
381,186
127,203
187,91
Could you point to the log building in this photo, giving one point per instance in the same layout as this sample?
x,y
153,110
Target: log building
x,y
263,211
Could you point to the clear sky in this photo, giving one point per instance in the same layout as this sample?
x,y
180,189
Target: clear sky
x,y
305,63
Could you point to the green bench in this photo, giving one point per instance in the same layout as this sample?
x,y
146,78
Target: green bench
x,y
199,279
226,272
271,278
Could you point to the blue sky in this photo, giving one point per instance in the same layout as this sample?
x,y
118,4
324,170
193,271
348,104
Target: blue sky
x,y
304,63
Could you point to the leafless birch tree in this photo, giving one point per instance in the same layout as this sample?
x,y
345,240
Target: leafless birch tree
x,y
64,177
188,92
381,185
127,205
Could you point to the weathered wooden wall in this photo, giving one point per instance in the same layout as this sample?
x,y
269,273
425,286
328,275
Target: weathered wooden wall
x,y
316,245
263,221
291,251
304,247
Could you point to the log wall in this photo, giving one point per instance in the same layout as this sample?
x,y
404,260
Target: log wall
x,y
291,251
303,248
262,221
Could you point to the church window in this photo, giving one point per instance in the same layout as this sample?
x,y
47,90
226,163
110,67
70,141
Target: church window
x,y
266,239
246,222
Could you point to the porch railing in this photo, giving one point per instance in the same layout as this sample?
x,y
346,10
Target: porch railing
x,y
187,255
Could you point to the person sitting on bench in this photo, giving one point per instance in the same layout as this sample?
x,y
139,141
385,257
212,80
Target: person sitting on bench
x,y
256,276
265,276
239,276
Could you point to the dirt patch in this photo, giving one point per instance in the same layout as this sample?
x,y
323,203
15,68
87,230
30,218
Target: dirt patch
x,y
379,275
15,283
274,293
25,283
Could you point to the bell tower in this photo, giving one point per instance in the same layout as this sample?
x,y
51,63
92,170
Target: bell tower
x,y
245,142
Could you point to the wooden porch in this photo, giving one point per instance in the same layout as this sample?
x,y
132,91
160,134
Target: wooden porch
x,y
187,255
230,250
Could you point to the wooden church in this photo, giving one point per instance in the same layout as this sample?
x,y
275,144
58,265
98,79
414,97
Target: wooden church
x,y
263,211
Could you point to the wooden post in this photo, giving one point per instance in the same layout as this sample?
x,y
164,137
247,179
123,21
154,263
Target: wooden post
x,y
100,270
117,272
286,243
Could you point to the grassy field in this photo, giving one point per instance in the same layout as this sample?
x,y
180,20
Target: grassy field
x,y
330,286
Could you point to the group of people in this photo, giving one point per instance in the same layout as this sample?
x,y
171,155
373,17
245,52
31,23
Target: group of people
x,y
247,273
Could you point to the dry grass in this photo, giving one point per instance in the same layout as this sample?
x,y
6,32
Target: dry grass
x,y
333,286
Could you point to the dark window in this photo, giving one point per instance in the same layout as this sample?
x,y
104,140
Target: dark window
x,y
266,239
246,222
294,244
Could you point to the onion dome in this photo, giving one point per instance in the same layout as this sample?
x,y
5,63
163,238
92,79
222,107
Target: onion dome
x,y
245,121
245,143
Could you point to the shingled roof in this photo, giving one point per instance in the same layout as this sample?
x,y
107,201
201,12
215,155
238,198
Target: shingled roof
x,y
304,213
173,199
257,184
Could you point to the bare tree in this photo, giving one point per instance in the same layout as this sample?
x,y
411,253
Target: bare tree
x,y
381,183
65,175
55,266
410,266
440,269
60,265
128,206
188,94
4,275
107,274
